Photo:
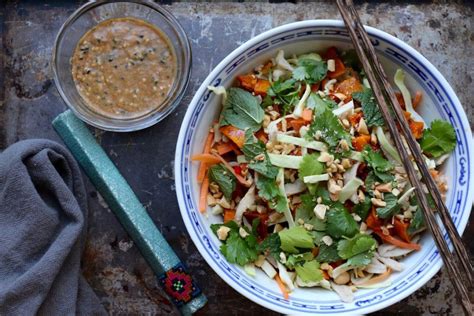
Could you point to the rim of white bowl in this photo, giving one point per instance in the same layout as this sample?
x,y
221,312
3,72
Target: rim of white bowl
x,y
242,48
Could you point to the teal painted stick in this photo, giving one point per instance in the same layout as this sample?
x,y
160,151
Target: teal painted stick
x,y
130,212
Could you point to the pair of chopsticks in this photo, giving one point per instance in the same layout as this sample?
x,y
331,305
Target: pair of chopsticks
x,y
461,274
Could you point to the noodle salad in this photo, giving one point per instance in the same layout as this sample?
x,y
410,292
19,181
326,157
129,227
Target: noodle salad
x,y
306,177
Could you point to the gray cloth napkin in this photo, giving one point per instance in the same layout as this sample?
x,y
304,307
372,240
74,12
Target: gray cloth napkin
x,y
43,212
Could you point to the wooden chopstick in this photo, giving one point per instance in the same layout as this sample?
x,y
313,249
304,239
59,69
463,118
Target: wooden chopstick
x,y
416,152
384,95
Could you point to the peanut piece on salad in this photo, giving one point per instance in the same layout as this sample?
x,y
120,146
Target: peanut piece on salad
x,y
342,278
378,202
386,187
223,232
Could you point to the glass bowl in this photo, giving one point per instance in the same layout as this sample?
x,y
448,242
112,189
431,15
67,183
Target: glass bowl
x,y
88,16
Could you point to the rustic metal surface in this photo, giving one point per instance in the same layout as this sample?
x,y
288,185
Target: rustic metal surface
x,y
111,263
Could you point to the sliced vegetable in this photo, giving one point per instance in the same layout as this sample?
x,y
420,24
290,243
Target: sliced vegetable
x,y
360,142
207,149
299,141
397,242
350,189
282,287
295,237
386,146
206,158
285,161
283,200
399,80
316,178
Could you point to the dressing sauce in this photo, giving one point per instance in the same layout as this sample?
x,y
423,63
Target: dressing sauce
x,y
124,68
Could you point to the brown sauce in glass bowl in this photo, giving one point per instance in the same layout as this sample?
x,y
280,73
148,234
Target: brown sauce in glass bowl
x,y
124,68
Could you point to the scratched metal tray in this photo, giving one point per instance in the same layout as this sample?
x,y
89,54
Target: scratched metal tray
x,y
111,263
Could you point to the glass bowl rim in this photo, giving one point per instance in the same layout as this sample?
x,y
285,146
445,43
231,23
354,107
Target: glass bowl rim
x,y
151,118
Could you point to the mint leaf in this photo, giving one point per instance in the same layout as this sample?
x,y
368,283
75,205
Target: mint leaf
x,y
271,245
309,271
241,109
310,70
331,129
340,223
327,253
253,148
295,237
439,139
224,178
360,243
362,209
372,115
391,208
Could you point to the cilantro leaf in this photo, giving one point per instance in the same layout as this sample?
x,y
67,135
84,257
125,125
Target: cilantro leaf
x,y
271,245
439,139
362,209
225,179
310,70
375,160
391,208
298,259
318,104
241,109
239,250
306,213
310,166
360,243
269,190
331,129
309,271
295,237
372,114
360,260
235,248
327,253
340,223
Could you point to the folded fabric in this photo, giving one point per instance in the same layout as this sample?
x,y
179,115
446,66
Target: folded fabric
x,y
43,212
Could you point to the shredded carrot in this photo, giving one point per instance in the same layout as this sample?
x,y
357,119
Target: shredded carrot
x,y
315,251
417,99
203,195
372,220
282,287
206,158
307,115
207,149
379,278
266,69
229,215
234,134
237,176
397,242
224,148
326,275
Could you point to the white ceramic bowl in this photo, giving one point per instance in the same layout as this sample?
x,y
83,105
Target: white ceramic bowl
x,y
439,101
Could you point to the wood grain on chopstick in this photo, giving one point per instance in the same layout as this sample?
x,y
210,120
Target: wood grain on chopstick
x,y
385,96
